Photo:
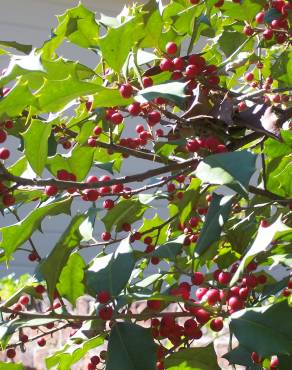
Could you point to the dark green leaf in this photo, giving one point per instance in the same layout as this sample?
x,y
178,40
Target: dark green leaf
x,y
266,330
111,272
217,215
223,169
131,347
241,356
230,41
170,249
26,49
203,358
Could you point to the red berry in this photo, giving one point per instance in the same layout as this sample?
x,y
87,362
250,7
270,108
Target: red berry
x,y
249,76
194,221
41,342
51,190
154,118
248,30
108,204
194,2
117,118
95,360
33,256
90,366
190,327
91,142
274,363
268,34
216,324
126,227
23,338
3,136
171,48
126,91
40,289
243,292
197,278
97,130
171,187
8,200
8,124
147,81
260,17
224,278
193,145
105,313
256,358
259,65
134,109
265,223
261,279
193,70
118,188
202,316
252,266
10,353
155,260
213,80
62,175
178,64
280,37
4,153
200,293
235,303
24,300
105,236
241,106
91,195
159,132
166,65
213,296
154,305
219,3
103,297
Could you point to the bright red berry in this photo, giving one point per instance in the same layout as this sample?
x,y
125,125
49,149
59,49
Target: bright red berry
x,y
51,190
126,91
147,81
171,48
256,358
216,324
134,109
154,117
166,65
106,236
224,277
40,289
241,106
108,204
248,30
4,153
24,300
249,76
268,34
260,17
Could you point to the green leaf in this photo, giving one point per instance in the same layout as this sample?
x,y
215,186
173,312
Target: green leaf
x,y
152,26
107,97
130,347
19,98
56,94
72,353
274,148
70,283
278,176
230,41
173,91
10,366
241,356
117,43
127,210
160,229
36,144
77,161
261,244
170,249
203,358
26,49
111,272
284,259
217,215
266,330
87,226
15,235
244,11
60,254
223,169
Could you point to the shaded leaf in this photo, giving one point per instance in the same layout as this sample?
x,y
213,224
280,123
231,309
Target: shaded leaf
x,y
170,249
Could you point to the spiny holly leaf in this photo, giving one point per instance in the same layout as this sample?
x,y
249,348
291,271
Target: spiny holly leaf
x,y
261,244
15,235
26,49
127,210
72,353
106,97
173,91
245,10
203,358
60,254
70,283
131,347
36,144
266,330
217,215
19,98
111,272
117,43
78,161
278,175
170,249
159,234
223,169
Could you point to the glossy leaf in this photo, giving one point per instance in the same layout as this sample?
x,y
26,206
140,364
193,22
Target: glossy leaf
x,y
70,283
130,347
60,254
15,235
36,144
112,272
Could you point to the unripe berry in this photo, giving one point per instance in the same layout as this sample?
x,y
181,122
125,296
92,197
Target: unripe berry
x,y
171,48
